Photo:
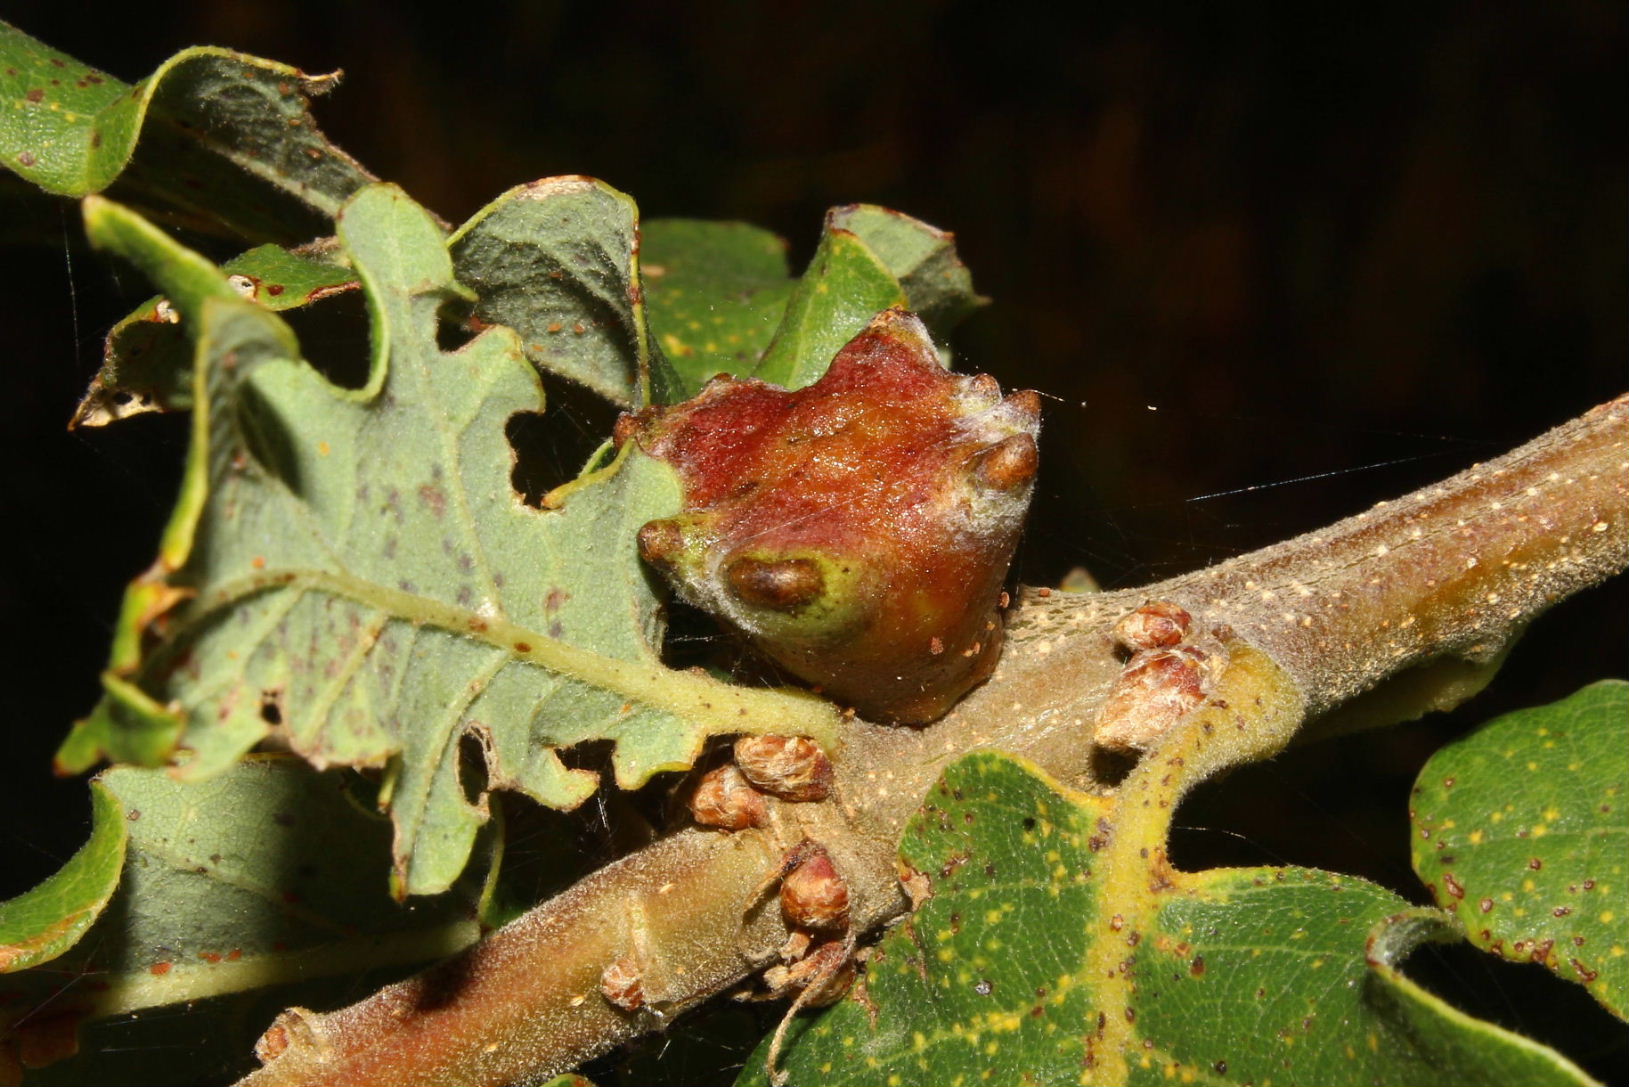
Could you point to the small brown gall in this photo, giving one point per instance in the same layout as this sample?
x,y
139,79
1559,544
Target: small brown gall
x,y
660,540
271,1045
813,895
620,985
823,975
725,799
1156,689
790,767
291,1028
1158,624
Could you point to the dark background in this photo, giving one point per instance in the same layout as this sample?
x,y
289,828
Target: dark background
x,y
1239,247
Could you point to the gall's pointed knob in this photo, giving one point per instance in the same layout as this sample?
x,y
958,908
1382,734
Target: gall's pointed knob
x,y
1009,464
660,542
781,584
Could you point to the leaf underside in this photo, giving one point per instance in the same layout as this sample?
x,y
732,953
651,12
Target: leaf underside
x,y
147,361
353,570
213,140
264,876
42,923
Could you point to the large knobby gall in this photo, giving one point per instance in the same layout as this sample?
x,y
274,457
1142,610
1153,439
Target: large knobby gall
x,y
856,532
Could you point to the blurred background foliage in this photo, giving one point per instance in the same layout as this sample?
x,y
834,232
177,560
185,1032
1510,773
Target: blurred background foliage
x,y
1238,244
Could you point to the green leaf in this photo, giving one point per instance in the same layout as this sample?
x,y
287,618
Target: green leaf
x,y
938,286
869,259
41,924
716,293
722,301
1023,958
845,286
1522,833
1467,1049
353,569
268,874
147,361
225,140
557,261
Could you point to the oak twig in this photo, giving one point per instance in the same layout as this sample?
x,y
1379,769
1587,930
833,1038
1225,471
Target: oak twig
x,y
1452,571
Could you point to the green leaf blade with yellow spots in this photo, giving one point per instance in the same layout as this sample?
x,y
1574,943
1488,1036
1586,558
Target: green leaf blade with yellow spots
x,y
1522,832
1252,975
722,300
213,139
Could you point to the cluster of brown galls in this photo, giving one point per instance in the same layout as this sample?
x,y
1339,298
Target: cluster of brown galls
x,y
817,959
1170,673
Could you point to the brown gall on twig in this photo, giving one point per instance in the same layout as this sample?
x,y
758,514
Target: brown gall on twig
x,y
621,985
724,798
788,767
823,977
813,895
1158,624
1171,672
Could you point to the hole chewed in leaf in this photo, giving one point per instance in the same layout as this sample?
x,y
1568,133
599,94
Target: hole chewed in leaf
x,y
473,753
333,334
554,446
456,326
528,434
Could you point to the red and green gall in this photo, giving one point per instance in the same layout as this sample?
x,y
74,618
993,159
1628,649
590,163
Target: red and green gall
x,y
857,531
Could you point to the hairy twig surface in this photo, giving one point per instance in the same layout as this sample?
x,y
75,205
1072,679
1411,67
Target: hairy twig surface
x,y
1452,571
